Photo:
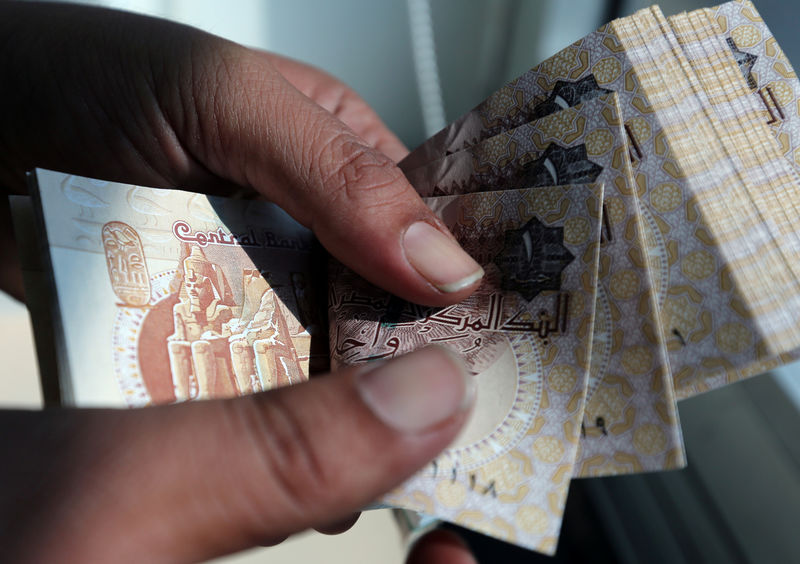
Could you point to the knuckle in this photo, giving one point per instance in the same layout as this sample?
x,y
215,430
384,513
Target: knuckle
x,y
355,174
288,467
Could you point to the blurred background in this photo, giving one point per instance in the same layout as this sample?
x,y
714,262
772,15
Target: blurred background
x,y
421,64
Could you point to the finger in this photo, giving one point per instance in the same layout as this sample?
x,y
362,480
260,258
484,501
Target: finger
x,y
339,526
260,131
345,104
194,481
272,541
192,110
440,547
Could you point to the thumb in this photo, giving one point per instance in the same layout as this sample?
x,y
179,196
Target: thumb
x,y
194,481
267,135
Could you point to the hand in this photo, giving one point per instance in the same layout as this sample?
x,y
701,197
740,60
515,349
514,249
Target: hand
x,y
141,100
194,481
135,99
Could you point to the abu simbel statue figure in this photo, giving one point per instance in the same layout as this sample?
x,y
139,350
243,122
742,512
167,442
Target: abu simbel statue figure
x,y
220,349
199,346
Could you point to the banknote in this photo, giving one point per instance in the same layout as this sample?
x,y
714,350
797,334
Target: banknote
x,y
736,185
526,335
718,328
162,296
757,128
630,421
765,68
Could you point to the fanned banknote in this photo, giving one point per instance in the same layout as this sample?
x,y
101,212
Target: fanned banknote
x,y
630,422
719,324
729,325
526,334
757,129
163,296
767,72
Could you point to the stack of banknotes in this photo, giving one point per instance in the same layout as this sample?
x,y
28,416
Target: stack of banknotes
x,y
633,201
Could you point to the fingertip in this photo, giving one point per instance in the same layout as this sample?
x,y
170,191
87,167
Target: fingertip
x,y
273,541
439,259
340,526
438,546
366,214
419,391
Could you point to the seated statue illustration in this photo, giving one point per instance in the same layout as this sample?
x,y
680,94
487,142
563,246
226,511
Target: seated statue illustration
x,y
221,349
198,349
269,346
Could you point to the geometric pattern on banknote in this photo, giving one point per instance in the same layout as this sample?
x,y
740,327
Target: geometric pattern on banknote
x,y
776,95
774,100
600,56
745,62
565,94
608,407
777,86
506,475
777,90
698,271
743,129
683,227
559,165
533,259
502,161
661,254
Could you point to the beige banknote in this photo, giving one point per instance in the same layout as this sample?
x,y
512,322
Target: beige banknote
x,y
733,179
755,126
163,295
526,334
768,73
718,327
630,421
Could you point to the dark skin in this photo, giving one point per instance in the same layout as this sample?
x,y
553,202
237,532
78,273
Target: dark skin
x,y
140,100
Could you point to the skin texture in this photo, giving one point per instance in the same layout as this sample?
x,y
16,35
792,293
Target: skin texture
x,y
135,99
186,483
158,104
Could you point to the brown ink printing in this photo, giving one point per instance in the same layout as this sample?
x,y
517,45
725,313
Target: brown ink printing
x,y
127,269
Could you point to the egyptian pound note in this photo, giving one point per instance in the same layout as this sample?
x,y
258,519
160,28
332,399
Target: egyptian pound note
x,y
728,232
593,66
167,296
630,423
757,128
525,334
765,69
707,321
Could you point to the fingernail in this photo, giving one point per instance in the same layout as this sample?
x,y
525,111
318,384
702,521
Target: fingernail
x,y
418,390
439,259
